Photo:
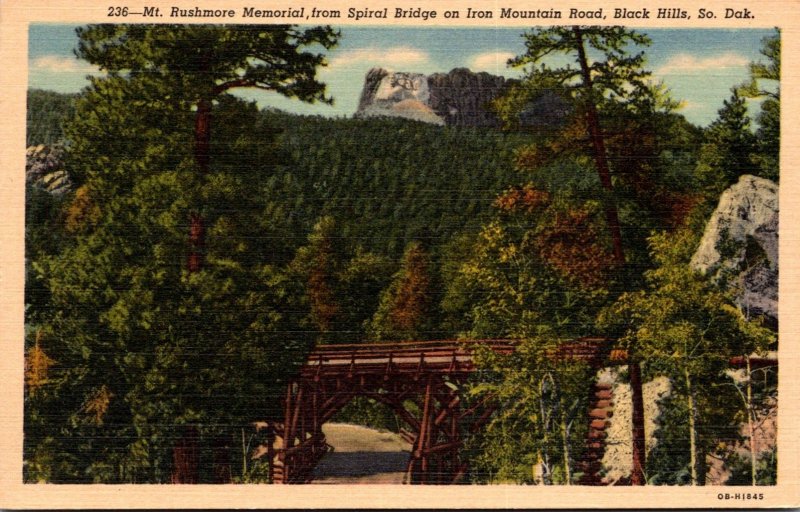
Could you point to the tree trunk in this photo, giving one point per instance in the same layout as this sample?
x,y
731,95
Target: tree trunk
x,y
599,149
565,438
693,455
637,424
612,219
186,467
750,425
202,146
185,455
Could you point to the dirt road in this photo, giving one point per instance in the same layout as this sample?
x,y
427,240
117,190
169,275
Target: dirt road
x,y
362,455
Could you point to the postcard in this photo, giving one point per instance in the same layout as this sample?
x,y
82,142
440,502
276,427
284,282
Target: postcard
x,y
398,254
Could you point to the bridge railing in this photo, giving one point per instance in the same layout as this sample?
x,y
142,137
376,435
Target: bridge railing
x,y
336,354
591,349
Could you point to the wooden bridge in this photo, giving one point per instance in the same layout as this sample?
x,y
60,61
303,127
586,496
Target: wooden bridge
x,y
421,383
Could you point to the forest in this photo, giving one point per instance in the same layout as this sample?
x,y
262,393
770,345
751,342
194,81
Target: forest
x,y
203,246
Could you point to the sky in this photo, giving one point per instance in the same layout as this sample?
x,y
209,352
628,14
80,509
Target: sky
x,y
698,66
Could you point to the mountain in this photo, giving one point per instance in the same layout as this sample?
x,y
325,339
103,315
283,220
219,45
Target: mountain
x,y
457,98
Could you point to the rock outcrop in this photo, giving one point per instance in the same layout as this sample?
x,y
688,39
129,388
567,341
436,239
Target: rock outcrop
x,y
44,168
457,98
740,246
614,437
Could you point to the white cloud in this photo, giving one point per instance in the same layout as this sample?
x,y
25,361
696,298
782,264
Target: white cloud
x,y
493,62
691,65
57,64
396,57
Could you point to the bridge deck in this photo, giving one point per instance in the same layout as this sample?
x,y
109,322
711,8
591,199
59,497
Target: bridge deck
x,y
399,357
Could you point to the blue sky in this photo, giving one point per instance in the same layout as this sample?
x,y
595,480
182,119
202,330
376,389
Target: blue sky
x,y
699,66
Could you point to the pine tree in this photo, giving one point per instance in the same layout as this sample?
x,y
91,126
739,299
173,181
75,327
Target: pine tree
x,y
201,62
145,342
605,74
318,265
406,307
728,148
764,84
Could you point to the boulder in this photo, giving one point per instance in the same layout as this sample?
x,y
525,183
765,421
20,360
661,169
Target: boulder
x,y
44,168
740,246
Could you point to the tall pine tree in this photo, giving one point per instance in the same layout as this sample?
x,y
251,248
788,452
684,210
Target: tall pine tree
x,y
147,343
603,72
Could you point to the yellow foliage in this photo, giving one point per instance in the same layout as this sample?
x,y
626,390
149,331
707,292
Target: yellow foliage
x,y
96,406
37,364
82,211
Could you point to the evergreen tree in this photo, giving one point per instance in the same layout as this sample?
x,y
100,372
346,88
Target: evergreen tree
x,y
145,344
361,282
318,264
728,148
406,310
616,73
764,84
606,77
198,63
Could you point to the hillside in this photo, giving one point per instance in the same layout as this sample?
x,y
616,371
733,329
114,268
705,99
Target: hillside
x,y
403,179
47,111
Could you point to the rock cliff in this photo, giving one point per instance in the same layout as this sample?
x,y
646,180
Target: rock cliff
x,y
740,245
457,98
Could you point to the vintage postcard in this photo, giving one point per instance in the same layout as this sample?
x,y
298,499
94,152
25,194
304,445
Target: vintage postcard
x,y
398,254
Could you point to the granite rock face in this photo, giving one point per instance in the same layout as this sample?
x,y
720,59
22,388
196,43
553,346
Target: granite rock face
x,y
617,462
740,245
457,98
44,168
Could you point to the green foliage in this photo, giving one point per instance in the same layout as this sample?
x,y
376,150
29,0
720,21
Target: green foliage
x,y
414,181
541,415
727,151
387,182
202,61
683,326
510,286
668,462
361,283
144,346
368,412
46,113
318,264
617,73
764,84
341,284
351,230
530,271
620,126
767,469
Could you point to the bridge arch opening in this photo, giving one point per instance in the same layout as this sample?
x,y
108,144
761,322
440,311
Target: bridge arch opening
x,y
369,444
